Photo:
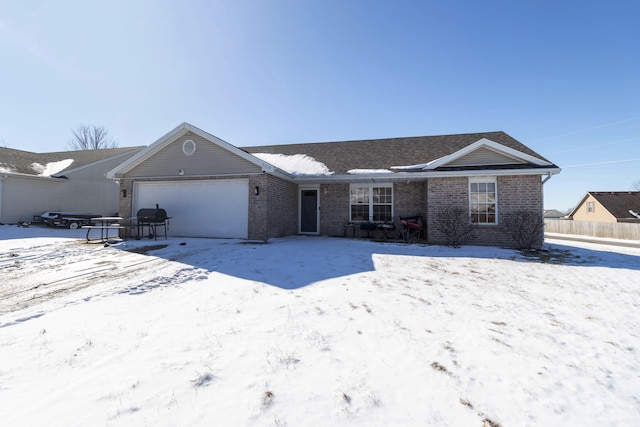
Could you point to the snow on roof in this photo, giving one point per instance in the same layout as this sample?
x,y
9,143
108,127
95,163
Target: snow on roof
x,y
367,171
6,170
297,164
51,168
414,167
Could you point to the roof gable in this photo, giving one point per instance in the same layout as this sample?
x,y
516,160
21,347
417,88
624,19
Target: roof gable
x,y
163,148
483,152
485,156
487,152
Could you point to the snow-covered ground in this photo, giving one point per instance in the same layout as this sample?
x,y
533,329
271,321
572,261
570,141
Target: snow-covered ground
x,y
307,331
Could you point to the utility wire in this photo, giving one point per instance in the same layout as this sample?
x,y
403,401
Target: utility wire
x,y
582,148
589,129
602,163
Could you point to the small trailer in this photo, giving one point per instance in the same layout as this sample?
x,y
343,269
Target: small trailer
x,y
71,220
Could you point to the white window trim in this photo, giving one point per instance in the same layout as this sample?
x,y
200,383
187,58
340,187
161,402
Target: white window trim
x,y
488,180
371,187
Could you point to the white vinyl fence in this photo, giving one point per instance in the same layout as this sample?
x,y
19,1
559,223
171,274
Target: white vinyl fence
x,y
609,230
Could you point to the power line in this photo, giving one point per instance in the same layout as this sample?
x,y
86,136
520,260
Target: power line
x,y
589,129
619,141
602,163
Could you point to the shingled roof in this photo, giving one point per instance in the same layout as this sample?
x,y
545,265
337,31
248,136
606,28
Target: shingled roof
x,y
619,203
18,161
340,157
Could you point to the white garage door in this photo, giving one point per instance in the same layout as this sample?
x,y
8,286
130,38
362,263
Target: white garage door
x,y
211,208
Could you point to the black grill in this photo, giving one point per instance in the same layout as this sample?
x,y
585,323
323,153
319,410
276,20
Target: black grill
x,y
151,215
152,218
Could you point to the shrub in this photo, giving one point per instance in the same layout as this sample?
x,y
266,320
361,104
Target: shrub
x,y
455,225
525,228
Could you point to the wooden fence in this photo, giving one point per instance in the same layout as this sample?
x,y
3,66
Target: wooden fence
x,y
608,230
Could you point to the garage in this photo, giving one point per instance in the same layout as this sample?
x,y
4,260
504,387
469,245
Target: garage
x,y
199,208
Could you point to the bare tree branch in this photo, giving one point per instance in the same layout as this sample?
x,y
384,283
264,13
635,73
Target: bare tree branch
x,y
455,226
91,138
525,228
636,185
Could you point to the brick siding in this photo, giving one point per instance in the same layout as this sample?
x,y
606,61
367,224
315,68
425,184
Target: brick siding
x,y
281,208
274,211
126,203
409,199
334,209
515,193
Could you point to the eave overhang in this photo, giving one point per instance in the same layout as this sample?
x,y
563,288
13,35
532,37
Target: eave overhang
x,y
409,177
6,175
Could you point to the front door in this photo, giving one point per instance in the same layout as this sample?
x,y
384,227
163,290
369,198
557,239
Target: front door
x,y
309,212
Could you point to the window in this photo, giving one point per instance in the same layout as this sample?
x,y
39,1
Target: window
x,y
483,202
589,207
371,202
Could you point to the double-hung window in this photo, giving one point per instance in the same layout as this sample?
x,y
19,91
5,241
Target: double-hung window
x,y
483,200
371,202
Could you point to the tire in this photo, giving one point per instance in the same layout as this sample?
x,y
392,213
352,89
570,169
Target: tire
x,y
74,225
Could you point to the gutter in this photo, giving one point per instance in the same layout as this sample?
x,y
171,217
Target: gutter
x,y
117,179
366,178
420,176
549,175
27,176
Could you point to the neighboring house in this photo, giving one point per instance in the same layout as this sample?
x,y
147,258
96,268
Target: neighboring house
x,y
553,214
608,206
32,183
211,188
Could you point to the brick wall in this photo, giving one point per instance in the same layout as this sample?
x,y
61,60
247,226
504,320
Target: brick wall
x,y
334,209
515,193
444,194
519,193
409,199
282,207
125,205
274,212
258,227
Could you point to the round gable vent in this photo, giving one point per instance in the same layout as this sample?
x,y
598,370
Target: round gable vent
x,y
188,147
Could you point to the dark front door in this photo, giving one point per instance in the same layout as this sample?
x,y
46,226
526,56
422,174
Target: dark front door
x,y
308,211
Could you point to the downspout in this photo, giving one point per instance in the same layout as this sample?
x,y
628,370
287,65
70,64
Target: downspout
x,y
2,178
549,175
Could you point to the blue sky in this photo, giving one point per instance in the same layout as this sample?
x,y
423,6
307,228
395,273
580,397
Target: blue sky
x,y
562,77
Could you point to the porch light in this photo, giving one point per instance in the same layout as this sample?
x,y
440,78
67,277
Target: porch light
x,y
256,190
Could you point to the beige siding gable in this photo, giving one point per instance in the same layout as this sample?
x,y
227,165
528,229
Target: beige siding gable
x,y
591,210
208,159
485,156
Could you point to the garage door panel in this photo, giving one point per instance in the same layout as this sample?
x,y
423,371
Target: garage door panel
x,y
208,208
